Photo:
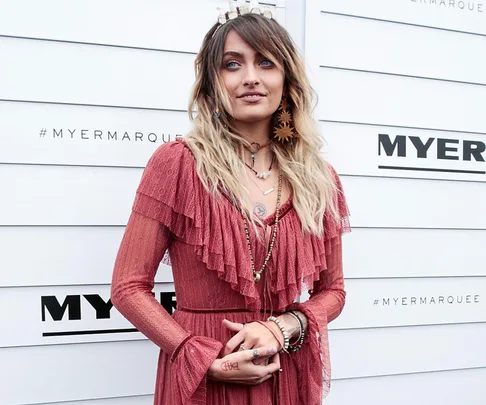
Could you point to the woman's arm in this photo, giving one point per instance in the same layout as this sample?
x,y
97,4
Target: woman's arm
x,y
142,248
327,298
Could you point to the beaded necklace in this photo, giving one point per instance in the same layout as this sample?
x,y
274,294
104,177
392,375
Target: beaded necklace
x,y
257,274
262,175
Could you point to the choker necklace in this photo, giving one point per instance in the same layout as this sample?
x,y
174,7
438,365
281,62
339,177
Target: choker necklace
x,y
256,150
262,175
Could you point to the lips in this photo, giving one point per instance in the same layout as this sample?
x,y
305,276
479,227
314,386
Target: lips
x,y
252,96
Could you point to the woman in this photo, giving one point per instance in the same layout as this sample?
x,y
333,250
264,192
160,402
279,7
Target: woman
x,y
250,214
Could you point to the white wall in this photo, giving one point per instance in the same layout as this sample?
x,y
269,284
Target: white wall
x,y
380,67
413,330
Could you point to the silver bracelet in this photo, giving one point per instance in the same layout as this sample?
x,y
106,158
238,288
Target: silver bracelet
x,y
283,330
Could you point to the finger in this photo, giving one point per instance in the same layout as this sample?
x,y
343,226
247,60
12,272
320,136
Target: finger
x,y
233,343
232,326
275,359
266,351
272,368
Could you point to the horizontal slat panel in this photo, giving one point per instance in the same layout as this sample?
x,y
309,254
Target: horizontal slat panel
x,y
445,388
103,196
396,48
162,25
81,135
466,16
370,303
122,368
56,315
403,152
138,400
371,352
67,195
85,74
85,255
414,253
385,202
78,372
61,256
395,302
391,100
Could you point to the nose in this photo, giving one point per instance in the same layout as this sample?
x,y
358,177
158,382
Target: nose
x,y
251,78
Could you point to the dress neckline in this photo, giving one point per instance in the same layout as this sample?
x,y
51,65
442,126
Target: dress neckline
x,y
269,219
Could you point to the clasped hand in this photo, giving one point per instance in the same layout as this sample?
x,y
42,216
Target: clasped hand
x,y
250,356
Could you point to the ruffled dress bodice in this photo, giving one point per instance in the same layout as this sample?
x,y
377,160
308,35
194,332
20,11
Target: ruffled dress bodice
x,y
213,280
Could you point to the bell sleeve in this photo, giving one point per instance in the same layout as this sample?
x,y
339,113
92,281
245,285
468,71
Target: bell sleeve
x,y
326,301
147,236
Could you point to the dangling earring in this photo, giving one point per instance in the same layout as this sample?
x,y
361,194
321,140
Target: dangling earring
x,y
217,113
284,129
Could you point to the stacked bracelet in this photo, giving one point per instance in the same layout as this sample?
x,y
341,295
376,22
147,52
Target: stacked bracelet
x,y
283,330
300,340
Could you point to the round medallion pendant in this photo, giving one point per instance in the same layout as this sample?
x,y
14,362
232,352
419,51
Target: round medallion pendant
x,y
259,210
256,277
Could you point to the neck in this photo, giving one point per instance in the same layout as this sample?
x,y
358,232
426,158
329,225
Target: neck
x,y
258,132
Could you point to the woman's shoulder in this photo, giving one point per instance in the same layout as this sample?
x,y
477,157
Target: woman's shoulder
x,y
170,153
170,167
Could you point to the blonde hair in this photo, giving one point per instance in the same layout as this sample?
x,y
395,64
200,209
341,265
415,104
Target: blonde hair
x,y
218,148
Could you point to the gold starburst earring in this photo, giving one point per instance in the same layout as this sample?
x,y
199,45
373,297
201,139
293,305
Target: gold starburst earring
x,y
284,130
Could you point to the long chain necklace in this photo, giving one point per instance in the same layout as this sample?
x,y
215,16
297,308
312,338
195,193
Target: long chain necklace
x,y
257,274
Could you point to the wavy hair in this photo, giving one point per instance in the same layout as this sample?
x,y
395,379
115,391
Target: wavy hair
x,y
218,148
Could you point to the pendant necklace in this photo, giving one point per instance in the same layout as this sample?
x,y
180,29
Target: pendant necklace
x,y
264,192
262,175
257,147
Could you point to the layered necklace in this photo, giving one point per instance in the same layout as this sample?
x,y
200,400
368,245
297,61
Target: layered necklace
x,y
261,175
257,273
259,209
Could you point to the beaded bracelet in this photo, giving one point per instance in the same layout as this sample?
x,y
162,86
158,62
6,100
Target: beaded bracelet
x,y
283,330
300,340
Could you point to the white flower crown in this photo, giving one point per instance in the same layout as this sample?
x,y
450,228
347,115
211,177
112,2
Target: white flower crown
x,y
240,7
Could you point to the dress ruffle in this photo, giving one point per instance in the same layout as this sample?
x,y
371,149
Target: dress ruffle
x,y
179,201
189,369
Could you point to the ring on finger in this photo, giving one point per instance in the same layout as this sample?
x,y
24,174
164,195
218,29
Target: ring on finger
x,y
260,380
255,354
242,347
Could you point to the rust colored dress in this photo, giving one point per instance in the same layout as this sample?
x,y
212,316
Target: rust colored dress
x,y
213,280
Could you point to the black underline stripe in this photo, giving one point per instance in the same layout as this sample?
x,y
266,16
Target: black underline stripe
x,y
89,332
430,169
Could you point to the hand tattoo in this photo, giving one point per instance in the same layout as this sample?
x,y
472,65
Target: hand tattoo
x,y
229,366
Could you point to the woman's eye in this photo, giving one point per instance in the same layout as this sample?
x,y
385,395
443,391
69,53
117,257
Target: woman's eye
x,y
232,65
266,62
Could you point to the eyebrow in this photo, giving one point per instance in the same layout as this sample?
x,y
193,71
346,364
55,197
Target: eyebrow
x,y
233,53
237,54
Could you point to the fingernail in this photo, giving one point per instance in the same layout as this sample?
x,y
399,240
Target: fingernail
x,y
273,349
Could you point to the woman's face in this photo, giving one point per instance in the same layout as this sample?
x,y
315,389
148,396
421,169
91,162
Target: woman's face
x,y
255,84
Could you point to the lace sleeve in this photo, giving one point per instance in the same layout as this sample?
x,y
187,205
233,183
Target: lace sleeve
x,y
141,250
